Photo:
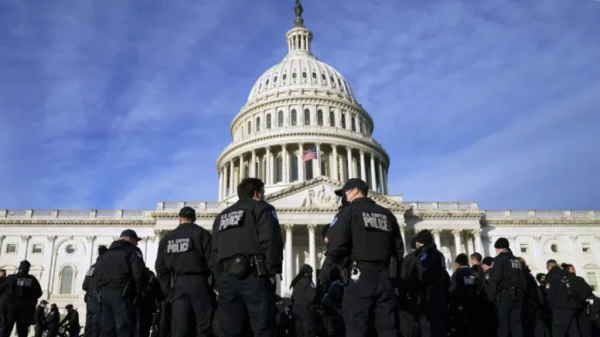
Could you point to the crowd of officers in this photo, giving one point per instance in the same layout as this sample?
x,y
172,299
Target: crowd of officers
x,y
224,283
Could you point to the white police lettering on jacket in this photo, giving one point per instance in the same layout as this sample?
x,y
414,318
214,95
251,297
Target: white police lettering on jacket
x,y
177,246
376,221
469,280
231,219
516,264
90,272
24,282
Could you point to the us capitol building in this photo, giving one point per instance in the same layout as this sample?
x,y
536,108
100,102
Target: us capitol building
x,y
298,105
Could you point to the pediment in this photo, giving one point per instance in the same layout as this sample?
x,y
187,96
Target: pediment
x,y
318,193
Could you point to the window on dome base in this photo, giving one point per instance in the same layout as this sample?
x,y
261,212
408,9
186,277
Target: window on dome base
x,y
279,177
275,79
267,83
353,123
343,120
294,75
249,128
293,118
268,121
314,75
294,168
284,77
303,74
306,117
331,118
257,124
332,80
323,77
320,118
280,119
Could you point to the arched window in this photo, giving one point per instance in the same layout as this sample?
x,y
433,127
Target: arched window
x,y
249,128
66,280
257,124
294,118
268,121
306,117
331,118
280,119
320,117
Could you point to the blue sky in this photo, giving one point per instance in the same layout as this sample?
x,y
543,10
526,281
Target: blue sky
x,y
121,104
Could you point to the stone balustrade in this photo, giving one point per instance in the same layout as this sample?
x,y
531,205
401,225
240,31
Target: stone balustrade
x,y
199,206
504,214
441,205
100,214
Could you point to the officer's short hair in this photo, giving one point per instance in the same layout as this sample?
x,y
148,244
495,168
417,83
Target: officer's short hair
x,y
477,257
248,186
551,261
462,259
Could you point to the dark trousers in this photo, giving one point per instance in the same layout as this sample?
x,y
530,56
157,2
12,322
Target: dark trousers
x,y
509,308
370,304
144,322
432,312
21,317
74,332
256,294
38,330
93,318
191,303
305,321
584,323
118,315
564,323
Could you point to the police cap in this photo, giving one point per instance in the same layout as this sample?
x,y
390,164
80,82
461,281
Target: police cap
x,y
187,212
130,233
353,183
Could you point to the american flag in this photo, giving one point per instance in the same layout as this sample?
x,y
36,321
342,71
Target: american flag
x,y
309,155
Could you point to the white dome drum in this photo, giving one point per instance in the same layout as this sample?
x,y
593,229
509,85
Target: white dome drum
x,y
298,108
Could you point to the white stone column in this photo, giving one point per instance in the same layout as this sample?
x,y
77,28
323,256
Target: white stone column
x,y
1,243
436,236
385,181
241,168
253,164
220,185
312,252
537,252
380,169
300,162
23,252
269,172
318,159
224,182
334,162
363,172
349,161
284,163
152,252
49,255
373,179
457,243
404,239
288,253
574,251
478,244
89,248
231,173
470,245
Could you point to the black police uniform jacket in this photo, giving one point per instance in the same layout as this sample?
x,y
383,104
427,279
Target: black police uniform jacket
x,y
22,291
304,292
465,286
365,231
122,266
430,268
248,227
90,282
507,272
556,291
184,251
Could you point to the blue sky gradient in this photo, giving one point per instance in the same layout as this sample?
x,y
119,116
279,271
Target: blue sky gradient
x,y
121,104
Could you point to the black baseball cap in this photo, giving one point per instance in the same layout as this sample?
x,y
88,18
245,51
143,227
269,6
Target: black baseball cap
x,y
352,183
131,233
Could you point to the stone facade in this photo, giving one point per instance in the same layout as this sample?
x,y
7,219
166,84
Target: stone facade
x,y
299,104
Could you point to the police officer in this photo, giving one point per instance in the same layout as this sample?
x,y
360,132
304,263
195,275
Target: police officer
x,y
304,296
433,283
366,238
90,286
23,291
183,272
508,284
121,279
247,254
465,294
489,322
563,306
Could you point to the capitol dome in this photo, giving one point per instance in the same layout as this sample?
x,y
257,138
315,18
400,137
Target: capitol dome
x,y
301,121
